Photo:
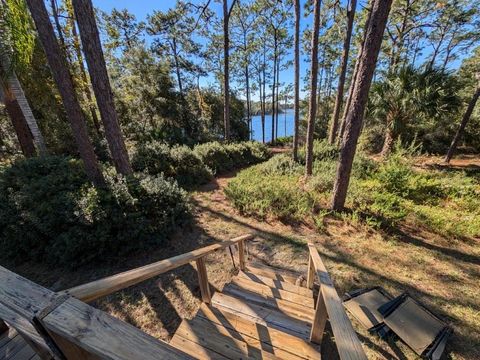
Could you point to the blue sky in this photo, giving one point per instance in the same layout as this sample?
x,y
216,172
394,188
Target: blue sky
x,y
141,8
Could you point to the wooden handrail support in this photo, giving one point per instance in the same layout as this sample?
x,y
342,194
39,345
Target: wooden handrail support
x,y
329,305
108,285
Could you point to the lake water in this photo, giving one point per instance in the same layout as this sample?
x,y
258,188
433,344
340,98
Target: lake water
x,y
285,125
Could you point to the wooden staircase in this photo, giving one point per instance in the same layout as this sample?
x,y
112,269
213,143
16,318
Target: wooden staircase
x,y
260,314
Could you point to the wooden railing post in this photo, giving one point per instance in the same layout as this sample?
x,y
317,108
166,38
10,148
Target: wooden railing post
x,y
241,255
319,320
203,280
311,272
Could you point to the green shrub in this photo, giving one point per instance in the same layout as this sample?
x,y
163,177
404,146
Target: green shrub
x,y
281,164
284,140
260,195
178,162
49,212
322,150
221,158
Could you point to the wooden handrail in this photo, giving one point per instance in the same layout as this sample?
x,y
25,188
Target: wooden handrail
x,y
108,285
329,303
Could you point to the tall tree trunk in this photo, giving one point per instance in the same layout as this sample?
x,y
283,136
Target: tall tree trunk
x,y
24,136
273,86
264,95
354,120
262,115
249,118
312,109
463,124
53,5
64,83
296,101
353,80
343,71
226,73
277,105
97,68
83,73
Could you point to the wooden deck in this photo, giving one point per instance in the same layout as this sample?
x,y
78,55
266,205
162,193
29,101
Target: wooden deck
x,y
261,314
14,347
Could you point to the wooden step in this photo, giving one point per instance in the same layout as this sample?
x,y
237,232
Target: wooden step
x,y
273,292
271,318
7,336
291,309
226,342
12,347
195,350
269,272
268,336
273,283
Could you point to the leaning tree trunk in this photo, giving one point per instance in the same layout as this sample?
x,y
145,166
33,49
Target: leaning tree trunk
x,y
354,119
296,101
343,72
353,80
83,72
97,68
64,83
24,136
312,110
463,124
16,89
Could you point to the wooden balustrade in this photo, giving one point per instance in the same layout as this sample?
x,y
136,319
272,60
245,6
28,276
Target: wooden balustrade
x,y
108,285
330,306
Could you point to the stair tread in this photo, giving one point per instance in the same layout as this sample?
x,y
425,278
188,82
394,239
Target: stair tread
x,y
265,290
264,316
276,274
274,283
269,336
291,309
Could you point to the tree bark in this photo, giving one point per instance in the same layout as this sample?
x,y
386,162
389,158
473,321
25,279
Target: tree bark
x,y
92,47
249,118
83,73
354,78
277,99
14,111
312,110
264,95
296,101
390,137
354,119
463,124
64,83
343,71
273,85
226,74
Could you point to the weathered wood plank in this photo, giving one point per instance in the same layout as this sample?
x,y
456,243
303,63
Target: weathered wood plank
x,y
203,281
102,335
348,345
99,288
212,336
258,314
24,354
273,283
319,321
270,336
276,274
7,336
311,273
273,292
20,301
12,347
195,350
291,309
241,255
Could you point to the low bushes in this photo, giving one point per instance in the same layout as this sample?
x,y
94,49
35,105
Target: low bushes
x,y
322,150
221,158
193,167
382,193
51,213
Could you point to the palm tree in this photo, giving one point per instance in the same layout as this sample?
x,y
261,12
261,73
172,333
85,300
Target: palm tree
x,y
412,94
359,97
64,82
